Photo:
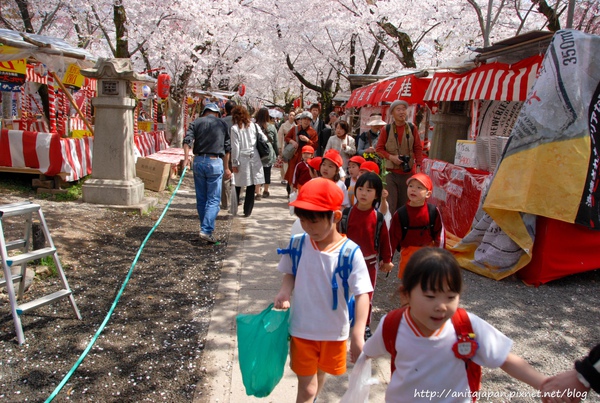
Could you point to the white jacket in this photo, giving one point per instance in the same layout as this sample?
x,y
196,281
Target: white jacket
x,y
245,156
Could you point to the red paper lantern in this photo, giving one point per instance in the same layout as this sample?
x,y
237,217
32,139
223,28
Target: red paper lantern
x,y
296,103
163,85
242,90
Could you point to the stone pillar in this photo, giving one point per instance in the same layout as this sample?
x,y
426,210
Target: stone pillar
x,y
450,124
113,179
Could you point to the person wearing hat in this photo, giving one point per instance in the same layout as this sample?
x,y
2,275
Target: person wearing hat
x,y
399,144
331,168
302,170
319,332
208,138
354,164
300,135
417,223
368,140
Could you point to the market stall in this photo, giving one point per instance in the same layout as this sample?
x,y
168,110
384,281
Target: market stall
x,y
542,201
46,115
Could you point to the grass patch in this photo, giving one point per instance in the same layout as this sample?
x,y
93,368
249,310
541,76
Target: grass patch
x,y
48,261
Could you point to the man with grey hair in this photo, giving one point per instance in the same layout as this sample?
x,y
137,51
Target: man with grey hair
x,y
400,146
208,137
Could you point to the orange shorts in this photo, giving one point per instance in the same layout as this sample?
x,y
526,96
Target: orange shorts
x,y
307,356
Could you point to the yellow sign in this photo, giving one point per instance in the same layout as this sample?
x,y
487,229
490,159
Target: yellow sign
x,y
145,126
9,50
79,134
13,66
72,77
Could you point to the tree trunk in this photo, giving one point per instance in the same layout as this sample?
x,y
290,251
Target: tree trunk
x,y
120,18
24,10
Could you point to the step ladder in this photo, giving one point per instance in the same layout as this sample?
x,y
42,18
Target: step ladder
x,y
27,211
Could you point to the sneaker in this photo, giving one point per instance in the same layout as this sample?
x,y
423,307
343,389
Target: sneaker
x,y
367,333
208,238
266,194
257,197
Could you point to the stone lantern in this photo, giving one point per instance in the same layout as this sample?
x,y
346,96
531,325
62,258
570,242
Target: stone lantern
x,y
113,179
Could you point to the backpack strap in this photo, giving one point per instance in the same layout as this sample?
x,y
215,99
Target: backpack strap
x,y
465,348
347,181
390,332
294,249
343,269
380,221
344,220
403,216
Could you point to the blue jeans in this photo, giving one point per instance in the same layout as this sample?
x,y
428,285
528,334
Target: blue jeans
x,y
208,173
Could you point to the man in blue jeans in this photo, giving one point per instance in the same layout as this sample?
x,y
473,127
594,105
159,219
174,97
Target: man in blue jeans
x,y
208,137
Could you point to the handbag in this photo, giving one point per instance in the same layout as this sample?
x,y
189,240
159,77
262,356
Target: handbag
x,y
289,150
262,145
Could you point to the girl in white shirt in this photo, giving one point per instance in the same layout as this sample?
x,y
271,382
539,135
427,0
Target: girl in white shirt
x,y
425,364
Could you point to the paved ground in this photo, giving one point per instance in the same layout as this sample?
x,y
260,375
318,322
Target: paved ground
x,y
249,282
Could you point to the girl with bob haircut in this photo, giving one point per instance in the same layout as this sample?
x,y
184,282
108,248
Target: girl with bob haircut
x,y
430,353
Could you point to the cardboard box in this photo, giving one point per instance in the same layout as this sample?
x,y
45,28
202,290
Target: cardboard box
x,y
154,174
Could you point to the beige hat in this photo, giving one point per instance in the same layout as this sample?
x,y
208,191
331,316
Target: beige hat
x,y
376,120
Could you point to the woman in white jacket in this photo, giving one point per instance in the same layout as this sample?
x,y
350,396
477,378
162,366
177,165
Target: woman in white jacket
x,y
247,167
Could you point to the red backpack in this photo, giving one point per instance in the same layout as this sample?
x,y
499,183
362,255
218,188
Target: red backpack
x,y
464,348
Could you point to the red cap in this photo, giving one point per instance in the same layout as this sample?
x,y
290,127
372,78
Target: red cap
x,y
308,149
357,159
315,163
334,156
370,166
319,194
423,179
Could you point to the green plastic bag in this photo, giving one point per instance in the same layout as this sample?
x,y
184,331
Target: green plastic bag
x,y
263,344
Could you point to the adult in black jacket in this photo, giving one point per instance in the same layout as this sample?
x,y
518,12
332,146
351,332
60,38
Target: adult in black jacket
x,y
323,132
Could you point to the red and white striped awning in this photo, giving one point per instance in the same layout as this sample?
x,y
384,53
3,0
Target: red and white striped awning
x,y
494,82
408,88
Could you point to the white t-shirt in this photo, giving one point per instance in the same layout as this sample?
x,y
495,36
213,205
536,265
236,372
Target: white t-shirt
x,y
342,185
312,316
426,367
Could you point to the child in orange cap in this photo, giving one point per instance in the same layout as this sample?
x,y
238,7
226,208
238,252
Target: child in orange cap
x,y
353,173
302,169
330,169
318,331
417,223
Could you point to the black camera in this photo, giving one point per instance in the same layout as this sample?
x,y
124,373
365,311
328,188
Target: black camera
x,y
405,163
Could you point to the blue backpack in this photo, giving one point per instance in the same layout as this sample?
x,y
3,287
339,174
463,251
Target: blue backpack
x,y
344,268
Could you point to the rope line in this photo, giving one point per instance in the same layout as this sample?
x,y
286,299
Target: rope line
x,y
114,304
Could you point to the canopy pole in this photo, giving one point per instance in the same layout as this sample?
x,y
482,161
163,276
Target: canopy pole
x,y
72,101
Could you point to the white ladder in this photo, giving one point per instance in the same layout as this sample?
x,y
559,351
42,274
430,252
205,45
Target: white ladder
x,y
27,209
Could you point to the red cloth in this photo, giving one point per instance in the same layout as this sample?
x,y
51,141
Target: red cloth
x,y
560,249
361,229
314,140
417,217
301,174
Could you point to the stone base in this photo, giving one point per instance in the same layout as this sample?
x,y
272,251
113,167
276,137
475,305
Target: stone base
x,y
113,192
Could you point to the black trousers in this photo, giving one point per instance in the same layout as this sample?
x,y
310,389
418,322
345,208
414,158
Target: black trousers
x,y
248,199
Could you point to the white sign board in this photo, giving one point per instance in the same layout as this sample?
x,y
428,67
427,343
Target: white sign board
x,y
466,155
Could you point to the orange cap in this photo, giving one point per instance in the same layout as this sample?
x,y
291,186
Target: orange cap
x,y
423,179
308,149
334,156
370,166
357,159
315,163
319,194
